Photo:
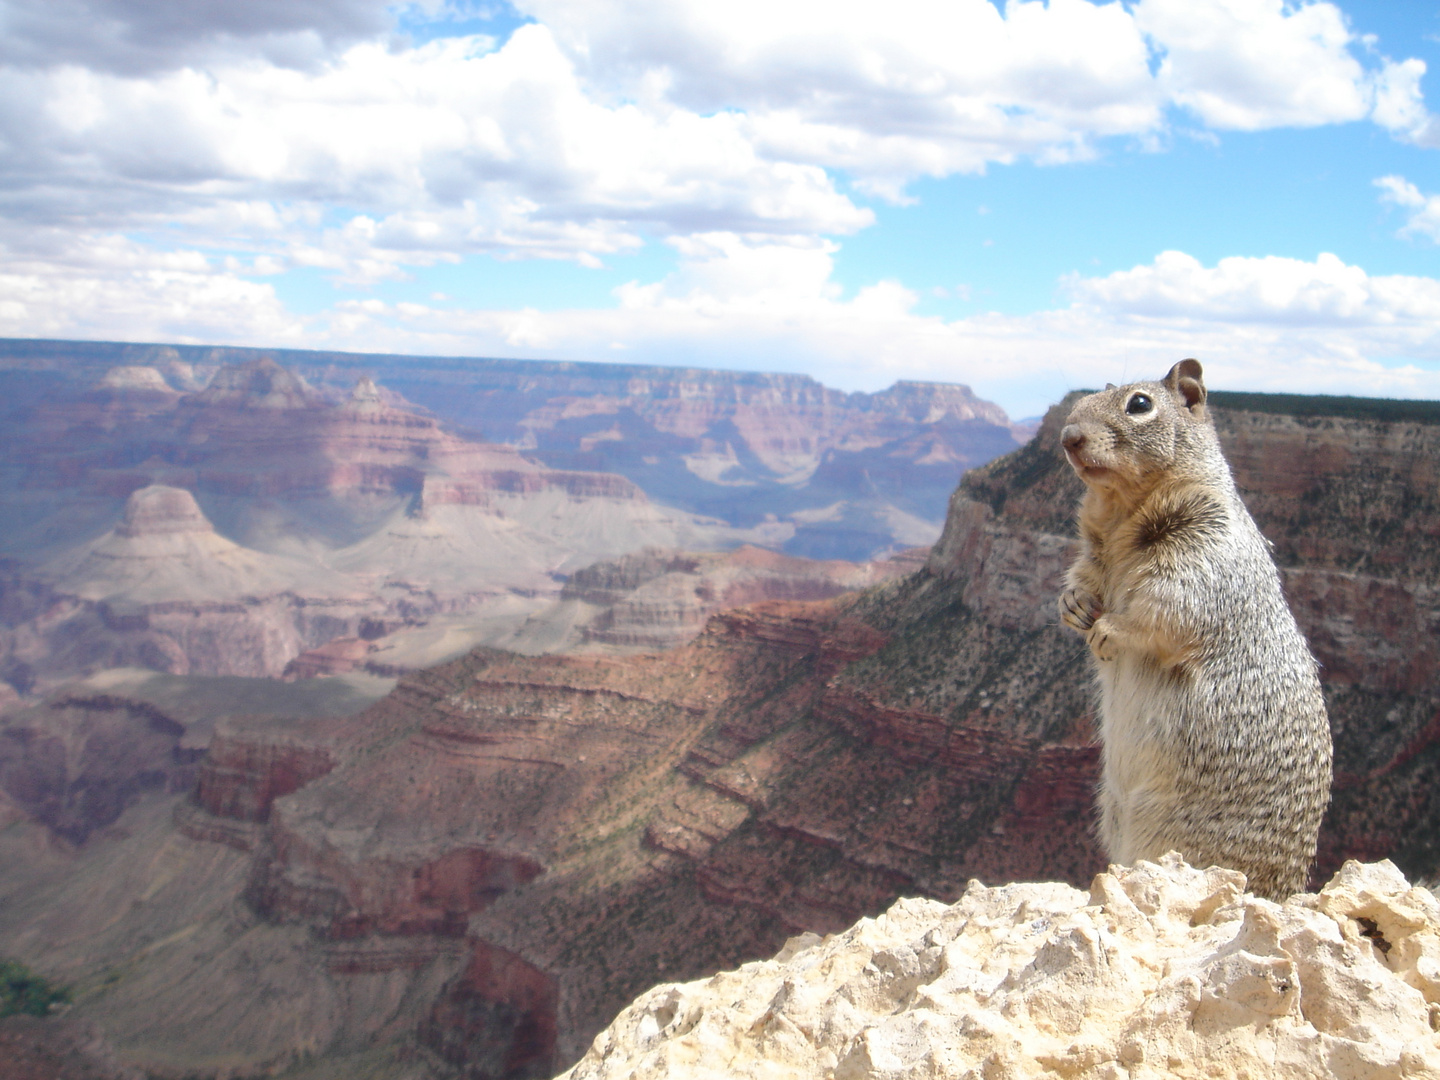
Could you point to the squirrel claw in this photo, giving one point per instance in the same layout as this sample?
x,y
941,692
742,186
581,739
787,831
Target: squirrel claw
x,y
1078,609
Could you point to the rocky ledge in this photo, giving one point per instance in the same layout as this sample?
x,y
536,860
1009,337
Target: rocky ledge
x,y
1160,970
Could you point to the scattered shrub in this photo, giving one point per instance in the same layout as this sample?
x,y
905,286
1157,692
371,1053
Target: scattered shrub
x,y
22,991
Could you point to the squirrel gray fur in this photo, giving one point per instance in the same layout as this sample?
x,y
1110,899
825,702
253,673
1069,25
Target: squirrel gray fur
x,y
1215,741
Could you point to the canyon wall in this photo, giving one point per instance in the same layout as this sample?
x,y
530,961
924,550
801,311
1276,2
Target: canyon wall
x,y
835,475
515,847
229,529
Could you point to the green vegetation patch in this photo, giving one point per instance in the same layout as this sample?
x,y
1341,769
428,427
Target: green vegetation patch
x,y
1352,408
22,991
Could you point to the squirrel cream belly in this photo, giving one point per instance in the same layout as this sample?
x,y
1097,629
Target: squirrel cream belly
x,y
1137,728
1214,732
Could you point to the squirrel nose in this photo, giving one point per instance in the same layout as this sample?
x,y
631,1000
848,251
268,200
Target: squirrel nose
x,y
1072,437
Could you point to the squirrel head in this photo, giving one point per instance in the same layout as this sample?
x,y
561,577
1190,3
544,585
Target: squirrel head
x,y
1123,439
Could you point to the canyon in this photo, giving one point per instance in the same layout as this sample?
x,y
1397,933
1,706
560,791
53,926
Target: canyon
x,y
228,515
833,475
472,874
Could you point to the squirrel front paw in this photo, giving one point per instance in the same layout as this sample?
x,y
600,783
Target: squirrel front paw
x,y
1079,609
1101,641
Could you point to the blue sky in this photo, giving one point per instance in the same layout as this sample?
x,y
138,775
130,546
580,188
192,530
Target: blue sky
x,y
1024,198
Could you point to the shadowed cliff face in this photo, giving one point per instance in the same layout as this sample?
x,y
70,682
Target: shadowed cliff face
x,y
77,761
521,845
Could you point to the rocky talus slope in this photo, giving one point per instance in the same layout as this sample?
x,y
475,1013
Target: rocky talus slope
x,y
1157,971
506,850
51,1048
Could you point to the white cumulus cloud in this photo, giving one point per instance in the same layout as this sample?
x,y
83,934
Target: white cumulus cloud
x,y
444,149
1423,218
913,88
886,92
1252,64
610,121
1290,292
106,286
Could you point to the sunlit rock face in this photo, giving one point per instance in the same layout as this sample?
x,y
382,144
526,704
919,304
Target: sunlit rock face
x,y
1157,971
158,511
657,599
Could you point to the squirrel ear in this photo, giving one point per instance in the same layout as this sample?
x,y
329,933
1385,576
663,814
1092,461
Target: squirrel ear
x,y
1109,386
1185,381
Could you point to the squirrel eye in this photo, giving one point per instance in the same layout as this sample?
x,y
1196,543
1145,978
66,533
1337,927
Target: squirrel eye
x,y
1139,403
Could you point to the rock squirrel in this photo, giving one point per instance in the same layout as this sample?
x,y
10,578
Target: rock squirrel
x,y
1215,741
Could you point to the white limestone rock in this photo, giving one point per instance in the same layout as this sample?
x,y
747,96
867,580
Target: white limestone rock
x,y
1161,971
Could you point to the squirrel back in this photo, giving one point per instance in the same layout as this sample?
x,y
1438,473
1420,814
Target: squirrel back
x,y
1215,737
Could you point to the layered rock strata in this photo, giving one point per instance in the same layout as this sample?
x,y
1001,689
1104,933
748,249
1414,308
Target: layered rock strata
x,y
839,475
164,590
658,599
259,519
